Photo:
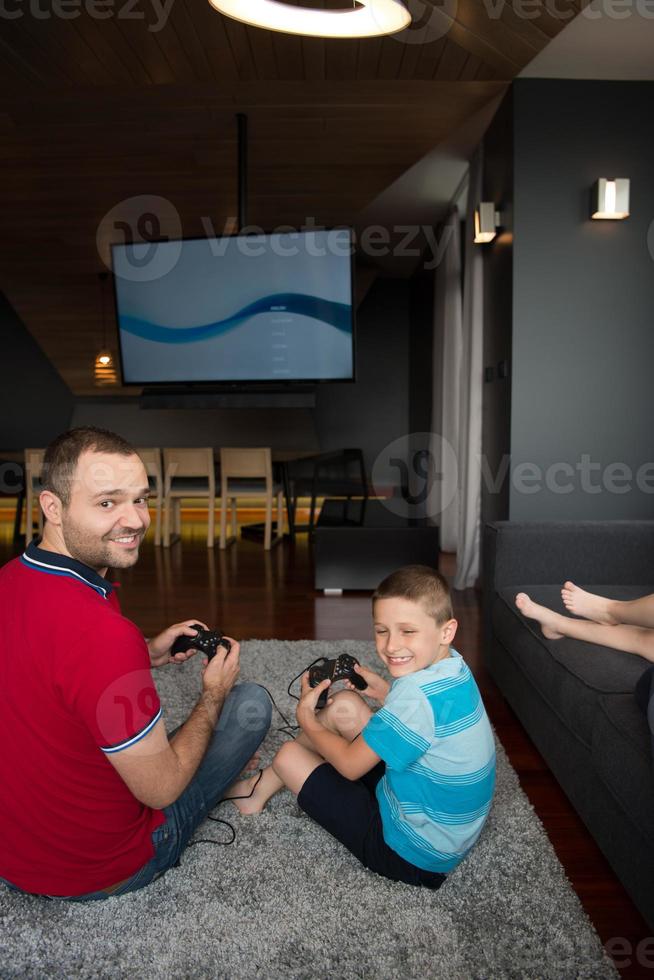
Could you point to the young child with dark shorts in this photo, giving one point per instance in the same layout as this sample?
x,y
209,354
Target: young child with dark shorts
x,y
407,788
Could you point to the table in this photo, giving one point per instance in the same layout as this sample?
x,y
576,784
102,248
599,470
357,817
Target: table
x,y
281,458
357,543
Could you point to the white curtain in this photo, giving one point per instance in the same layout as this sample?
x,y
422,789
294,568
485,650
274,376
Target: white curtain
x,y
470,397
448,341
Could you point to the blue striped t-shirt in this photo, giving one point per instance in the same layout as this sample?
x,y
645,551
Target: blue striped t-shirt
x,y
435,738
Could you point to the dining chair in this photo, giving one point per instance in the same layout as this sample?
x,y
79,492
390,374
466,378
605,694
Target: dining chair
x,y
188,473
248,473
151,458
33,467
340,473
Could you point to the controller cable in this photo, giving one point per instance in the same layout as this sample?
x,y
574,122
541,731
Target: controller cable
x,y
286,729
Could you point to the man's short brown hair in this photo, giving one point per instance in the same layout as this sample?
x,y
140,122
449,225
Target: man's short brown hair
x,y
62,455
421,584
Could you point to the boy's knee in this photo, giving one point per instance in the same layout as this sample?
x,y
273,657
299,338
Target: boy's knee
x,y
346,697
253,707
284,757
345,705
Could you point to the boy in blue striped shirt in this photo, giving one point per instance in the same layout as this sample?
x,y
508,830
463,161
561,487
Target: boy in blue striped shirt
x,y
407,788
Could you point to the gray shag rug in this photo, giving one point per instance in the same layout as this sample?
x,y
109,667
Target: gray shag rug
x,y
287,901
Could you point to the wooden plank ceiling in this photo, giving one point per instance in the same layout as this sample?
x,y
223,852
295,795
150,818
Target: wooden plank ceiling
x,y
98,112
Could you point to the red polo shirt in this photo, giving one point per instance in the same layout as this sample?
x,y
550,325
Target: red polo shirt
x,y
75,687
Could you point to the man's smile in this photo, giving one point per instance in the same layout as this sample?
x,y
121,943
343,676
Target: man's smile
x,y
128,540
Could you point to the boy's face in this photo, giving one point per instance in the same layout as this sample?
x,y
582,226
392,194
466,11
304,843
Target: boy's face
x,y
408,638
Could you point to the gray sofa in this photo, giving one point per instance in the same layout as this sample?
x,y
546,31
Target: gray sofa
x,y
576,700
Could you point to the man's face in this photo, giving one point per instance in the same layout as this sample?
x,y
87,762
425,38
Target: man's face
x,y
107,516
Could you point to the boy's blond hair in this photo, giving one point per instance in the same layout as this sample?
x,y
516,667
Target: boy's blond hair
x,y
421,584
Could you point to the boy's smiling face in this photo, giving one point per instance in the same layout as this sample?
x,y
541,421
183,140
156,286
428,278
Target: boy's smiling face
x,y
407,637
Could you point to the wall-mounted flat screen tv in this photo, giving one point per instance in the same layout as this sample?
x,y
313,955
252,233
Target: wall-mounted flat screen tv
x,y
265,308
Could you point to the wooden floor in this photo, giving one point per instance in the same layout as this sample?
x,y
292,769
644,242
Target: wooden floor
x,y
249,593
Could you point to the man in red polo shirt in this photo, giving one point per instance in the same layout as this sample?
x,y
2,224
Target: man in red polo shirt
x,y
96,799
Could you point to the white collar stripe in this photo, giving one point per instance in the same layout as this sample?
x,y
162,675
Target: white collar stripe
x,y
69,572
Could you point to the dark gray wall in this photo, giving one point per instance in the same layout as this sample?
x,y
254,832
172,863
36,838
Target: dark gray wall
x,y
421,329
375,410
35,404
498,317
583,303
287,429
421,391
368,413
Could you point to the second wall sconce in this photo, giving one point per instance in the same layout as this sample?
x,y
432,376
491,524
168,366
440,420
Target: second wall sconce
x,y
487,220
104,366
610,199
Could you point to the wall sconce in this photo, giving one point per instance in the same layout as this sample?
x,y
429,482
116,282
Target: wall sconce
x,y
104,366
487,219
104,371
610,198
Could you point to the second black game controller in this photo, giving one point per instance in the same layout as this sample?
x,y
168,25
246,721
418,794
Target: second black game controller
x,y
339,669
205,641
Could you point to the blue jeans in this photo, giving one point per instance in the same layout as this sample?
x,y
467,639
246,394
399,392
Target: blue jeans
x,y
241,728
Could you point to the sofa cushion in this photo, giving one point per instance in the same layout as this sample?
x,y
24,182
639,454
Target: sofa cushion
x,y
645,701
621,756
569,674
645,695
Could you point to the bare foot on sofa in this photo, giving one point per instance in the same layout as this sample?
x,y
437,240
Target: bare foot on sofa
x,y
581,603
548,619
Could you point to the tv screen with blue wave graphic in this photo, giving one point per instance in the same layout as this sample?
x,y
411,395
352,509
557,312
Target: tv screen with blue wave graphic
x,y
244,308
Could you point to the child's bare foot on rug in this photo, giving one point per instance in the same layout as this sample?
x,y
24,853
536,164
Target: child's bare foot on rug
x,y
581,603
548,619
243,787
257,789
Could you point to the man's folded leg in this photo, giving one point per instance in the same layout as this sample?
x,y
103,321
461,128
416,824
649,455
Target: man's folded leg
x,y
241,728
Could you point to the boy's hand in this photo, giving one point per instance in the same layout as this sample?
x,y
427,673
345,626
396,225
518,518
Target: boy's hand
x,y
377,688
306,709
160,646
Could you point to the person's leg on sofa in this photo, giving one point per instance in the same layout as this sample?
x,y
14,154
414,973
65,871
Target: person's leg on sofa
x,y
611,612
554,626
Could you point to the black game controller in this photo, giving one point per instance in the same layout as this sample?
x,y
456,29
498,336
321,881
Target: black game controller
x,y
342,668
206,641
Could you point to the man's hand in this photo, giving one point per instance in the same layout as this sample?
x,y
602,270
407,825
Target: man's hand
x,y
377,689
306,709
159,647
221,673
